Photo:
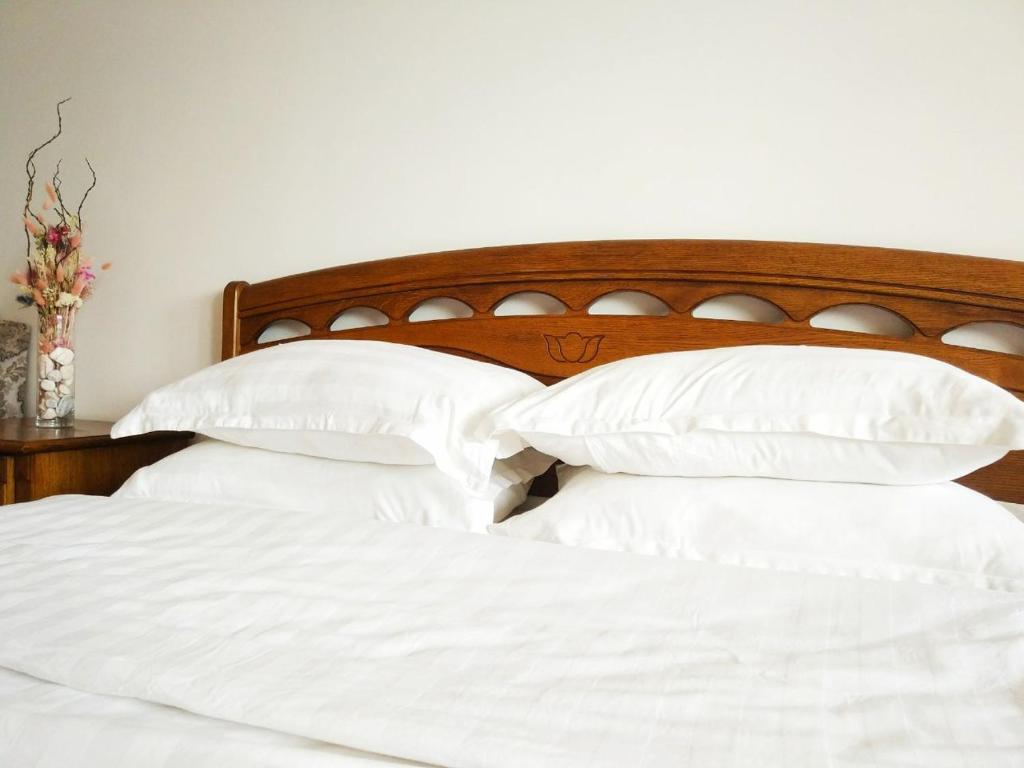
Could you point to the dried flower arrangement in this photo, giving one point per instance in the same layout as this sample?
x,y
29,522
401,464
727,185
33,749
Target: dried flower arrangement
x,y
56,281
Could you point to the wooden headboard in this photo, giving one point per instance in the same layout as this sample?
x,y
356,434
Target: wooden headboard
x,y
933,292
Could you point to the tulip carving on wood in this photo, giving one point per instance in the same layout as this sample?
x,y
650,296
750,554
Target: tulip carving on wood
x,y
573,348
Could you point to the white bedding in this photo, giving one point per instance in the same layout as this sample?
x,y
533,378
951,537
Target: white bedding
x,y
1016,509
467,650
935,534
45,724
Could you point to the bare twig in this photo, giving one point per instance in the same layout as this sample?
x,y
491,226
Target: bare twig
x,y
56,182
78,213
59,208
30,171
29,212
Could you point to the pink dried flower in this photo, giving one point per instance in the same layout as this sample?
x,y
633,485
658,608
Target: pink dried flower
x,y
51,193
80,282
38,296
31,226
76,240
60,273
106,265
53,236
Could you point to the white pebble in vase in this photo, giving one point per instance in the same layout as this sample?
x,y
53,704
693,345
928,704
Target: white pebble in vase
x,y
65,406
49,413
62,356
55,375
47,386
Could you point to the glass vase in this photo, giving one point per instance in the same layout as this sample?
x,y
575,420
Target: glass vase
x,y
55,401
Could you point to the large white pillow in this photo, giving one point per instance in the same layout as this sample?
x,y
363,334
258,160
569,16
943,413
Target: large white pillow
x,y
213,472
350,400
942,534
807,413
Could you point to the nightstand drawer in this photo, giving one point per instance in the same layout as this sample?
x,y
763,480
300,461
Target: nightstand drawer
x,y
94,471
37,463
6,480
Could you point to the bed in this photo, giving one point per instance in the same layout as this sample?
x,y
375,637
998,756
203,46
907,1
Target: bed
x,y
168,633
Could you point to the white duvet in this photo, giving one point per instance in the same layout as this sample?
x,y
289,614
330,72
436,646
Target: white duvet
x,y
45,724
467,650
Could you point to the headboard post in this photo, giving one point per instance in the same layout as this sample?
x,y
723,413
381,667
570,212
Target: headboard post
x,y
231,338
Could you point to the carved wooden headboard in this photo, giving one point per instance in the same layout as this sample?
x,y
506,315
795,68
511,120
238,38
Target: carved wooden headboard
x,y
933,292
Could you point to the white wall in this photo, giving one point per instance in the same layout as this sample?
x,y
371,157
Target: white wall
x,y
247,140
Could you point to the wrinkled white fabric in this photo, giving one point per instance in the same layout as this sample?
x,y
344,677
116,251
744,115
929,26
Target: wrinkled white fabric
x,y
1017,510
465,650
344,399
45,725
213,472
937,534
794,412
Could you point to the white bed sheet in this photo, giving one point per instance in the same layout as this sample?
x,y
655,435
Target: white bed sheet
x,y
467,650
44,725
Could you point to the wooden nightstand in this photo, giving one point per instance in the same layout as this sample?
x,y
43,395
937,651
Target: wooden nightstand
x,y
35,463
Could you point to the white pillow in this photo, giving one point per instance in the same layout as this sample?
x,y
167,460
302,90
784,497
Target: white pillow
x,y
942,534
213,472
806,413
1017,510
351,400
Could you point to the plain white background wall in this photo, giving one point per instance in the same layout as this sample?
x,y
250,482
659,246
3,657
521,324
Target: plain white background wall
x,y
247,140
